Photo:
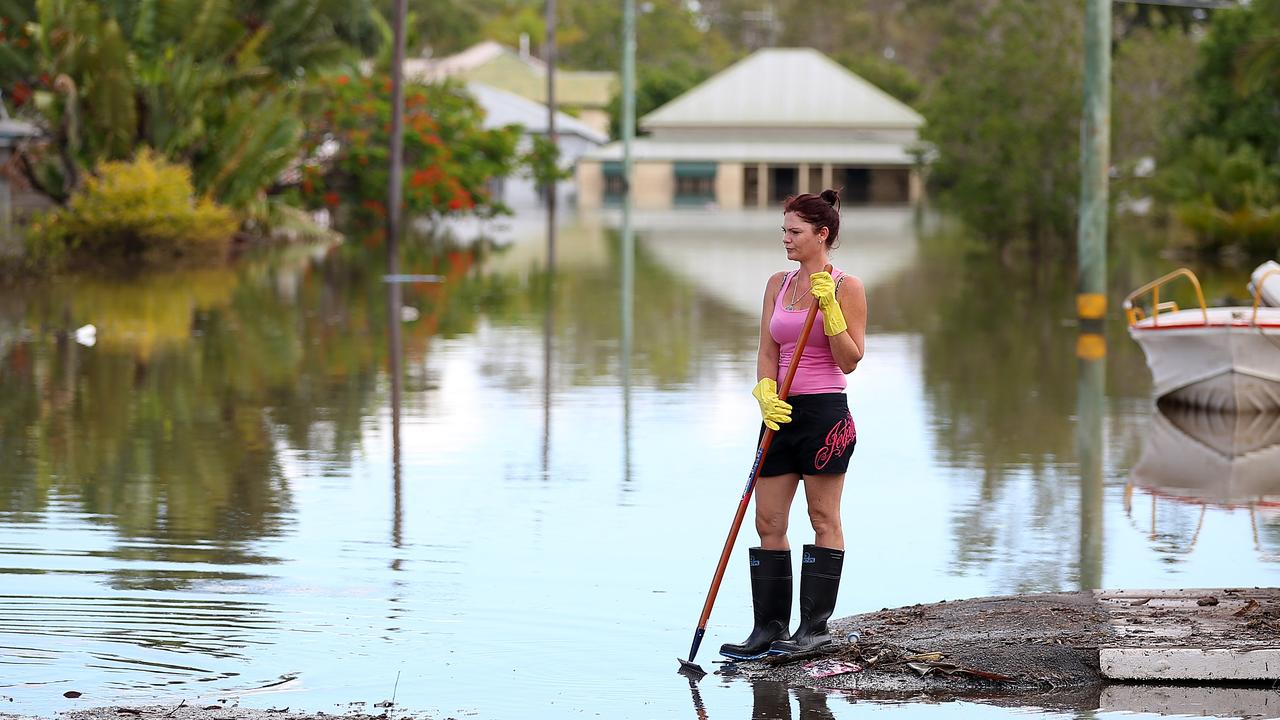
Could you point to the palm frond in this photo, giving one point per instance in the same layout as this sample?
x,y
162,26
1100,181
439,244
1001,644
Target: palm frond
x,y
213,30
111,110
143,33
259,136
173,19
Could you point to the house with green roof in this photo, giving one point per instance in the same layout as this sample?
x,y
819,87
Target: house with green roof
x,y
584,94
779,122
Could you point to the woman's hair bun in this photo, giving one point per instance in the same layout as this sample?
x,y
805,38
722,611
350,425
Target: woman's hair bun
x,y
832,197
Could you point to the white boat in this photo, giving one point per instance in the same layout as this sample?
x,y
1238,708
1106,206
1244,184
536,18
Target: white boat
x,y
1222,358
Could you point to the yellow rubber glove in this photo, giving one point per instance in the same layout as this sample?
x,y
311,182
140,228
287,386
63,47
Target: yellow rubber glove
x,y
773,410
823,288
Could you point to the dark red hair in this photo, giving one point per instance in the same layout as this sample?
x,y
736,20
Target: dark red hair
x,y
820,211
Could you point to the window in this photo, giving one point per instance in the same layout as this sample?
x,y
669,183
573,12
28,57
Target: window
x,y
815,179
890,185
784,181
695,183
855,184
615,184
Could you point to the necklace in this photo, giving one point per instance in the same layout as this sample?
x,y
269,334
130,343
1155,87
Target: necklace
x,y
795,285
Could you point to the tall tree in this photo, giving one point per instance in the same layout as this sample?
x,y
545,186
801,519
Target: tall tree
x,y
889,42
1151,76
587,36
656,85
667,31
1239,79
1223,174
1005,120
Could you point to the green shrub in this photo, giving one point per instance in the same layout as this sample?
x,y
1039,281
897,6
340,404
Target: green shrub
x,y
1227,197
142,212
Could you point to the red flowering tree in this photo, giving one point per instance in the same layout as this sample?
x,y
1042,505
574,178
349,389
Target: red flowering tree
x,y
449,158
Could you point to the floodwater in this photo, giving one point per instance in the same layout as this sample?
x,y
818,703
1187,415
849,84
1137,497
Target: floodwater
x,y
221,494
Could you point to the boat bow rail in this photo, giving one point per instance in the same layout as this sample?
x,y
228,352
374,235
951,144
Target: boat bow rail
x,y
1173,316
1135,314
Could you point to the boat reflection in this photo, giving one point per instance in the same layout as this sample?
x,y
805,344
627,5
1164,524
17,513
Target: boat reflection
x,y
1195,459
1222,458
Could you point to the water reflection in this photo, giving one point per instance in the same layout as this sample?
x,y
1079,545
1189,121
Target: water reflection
x,y
1090,411
1190,700
1222,458
548,333
627,321
395,353
54,630
699,707
174,428
771,700
678,331
140,431
729,256
1194,461
1005,427
294,469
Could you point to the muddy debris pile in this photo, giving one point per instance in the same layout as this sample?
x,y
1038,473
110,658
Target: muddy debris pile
x,y
998,645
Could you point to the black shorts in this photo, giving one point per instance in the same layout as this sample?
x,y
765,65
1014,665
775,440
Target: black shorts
x,y
819,439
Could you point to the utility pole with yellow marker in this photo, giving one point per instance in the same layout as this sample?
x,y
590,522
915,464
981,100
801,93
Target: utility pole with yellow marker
x,y
1091,297
1095,147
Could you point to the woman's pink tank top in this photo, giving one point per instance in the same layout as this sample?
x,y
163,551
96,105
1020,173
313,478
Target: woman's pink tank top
x,y
817,371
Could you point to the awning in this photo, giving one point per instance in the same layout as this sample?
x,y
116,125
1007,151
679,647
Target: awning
x,y
695,169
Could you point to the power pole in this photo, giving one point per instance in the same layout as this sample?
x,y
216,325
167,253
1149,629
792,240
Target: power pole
x,y
1091,291
628,88
1091,298
628,135
395,189
550,58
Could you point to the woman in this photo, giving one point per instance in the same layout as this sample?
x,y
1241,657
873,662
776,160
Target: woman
x,y
818,438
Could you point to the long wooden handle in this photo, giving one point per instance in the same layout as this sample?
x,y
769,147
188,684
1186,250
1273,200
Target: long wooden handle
x,y
761,451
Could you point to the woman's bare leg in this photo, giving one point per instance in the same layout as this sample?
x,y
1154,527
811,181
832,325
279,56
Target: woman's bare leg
x,y
773,504
822,493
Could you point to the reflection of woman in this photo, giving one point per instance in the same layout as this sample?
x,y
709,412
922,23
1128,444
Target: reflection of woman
x,y
770,701
818,438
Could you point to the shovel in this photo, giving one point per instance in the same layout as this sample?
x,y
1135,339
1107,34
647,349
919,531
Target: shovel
x,y
689,668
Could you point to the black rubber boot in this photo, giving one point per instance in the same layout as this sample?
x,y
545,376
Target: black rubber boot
x,y
771,600
819,583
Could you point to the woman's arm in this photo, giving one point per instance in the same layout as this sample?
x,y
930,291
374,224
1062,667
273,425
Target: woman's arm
x,y
767,357
847,347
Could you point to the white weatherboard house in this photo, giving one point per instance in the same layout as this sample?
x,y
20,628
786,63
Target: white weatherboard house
x,y
779,122
574,137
